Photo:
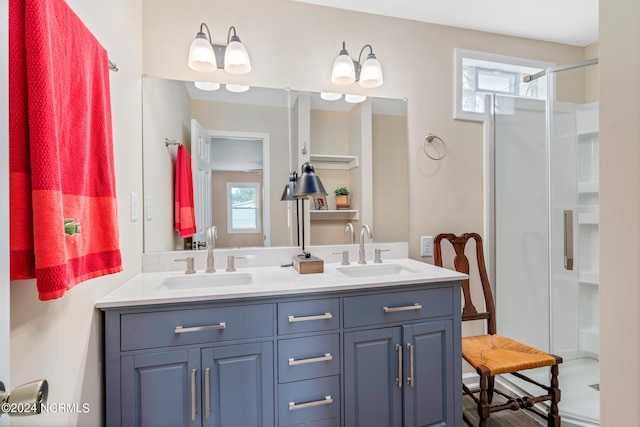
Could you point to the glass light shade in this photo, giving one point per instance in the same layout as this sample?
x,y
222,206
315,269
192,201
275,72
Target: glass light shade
x,y
354,99
236,58
201,55
308,183
330,96
344,72
207,85
371,73
237,88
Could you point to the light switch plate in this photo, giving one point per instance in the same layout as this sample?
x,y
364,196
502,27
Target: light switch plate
x,y
134,207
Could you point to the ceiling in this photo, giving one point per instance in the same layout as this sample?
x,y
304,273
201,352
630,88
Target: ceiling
x,y
573,22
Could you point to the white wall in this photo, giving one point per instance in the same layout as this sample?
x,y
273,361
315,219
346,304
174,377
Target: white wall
x,y
61,340
619,212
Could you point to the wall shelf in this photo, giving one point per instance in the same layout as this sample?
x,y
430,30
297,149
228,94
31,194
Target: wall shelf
x,y
330,161
333,215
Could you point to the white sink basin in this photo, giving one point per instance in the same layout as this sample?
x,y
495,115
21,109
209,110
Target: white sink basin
x,y
371,270
203,281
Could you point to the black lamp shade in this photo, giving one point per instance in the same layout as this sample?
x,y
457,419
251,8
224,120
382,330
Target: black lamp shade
x,y
309,183
287,194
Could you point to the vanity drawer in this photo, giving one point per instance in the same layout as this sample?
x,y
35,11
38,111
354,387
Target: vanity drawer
x,y
310,400
308,316
397,307
180,327
310,357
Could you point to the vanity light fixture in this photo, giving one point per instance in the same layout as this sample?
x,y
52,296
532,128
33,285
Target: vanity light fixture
x,y
347,70
330,96
354,99
205,56
209,86
236,88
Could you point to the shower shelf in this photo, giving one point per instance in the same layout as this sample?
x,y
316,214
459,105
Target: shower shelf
x,y
588,219
589,277
588,187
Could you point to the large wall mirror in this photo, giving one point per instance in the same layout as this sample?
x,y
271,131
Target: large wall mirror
x,y
246,144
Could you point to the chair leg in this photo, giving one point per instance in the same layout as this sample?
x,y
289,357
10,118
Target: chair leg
x,y
554,418
483,404
490,387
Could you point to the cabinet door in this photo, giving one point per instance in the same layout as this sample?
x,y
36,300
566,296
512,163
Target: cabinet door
x,y
238,385
373,397
429,373
161,389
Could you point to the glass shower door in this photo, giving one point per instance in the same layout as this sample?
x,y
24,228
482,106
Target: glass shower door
x,y
521,250
545,234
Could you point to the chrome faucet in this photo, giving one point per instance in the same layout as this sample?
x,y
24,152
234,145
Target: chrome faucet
x,y
364,228
348,229
212,235
231,265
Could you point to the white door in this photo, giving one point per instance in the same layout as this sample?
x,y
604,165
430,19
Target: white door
x,y
4,204
201,169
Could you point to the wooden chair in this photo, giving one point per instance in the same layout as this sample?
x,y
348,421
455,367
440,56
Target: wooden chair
x,y
492,354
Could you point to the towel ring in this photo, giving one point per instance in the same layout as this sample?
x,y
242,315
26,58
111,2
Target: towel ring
x,y
429,139
168,142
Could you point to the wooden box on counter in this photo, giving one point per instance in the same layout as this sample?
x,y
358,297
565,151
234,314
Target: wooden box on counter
x,y
308,265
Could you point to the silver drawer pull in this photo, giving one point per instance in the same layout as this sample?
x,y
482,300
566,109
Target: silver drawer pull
x,y
193,395
326,401
182,330
326,357
307,318
415,306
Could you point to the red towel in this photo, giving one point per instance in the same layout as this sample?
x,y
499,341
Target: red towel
x,y
185,214
64,227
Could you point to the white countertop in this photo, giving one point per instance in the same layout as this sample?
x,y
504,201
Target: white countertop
x,y
147,288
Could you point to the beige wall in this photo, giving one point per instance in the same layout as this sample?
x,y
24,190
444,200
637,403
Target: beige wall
x,y
219,181
60,340
619,212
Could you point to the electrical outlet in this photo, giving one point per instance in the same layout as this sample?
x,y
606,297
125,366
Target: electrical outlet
x,y
426,246
134,207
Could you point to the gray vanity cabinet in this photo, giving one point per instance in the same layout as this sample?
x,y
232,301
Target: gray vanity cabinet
x,y
386,356
238,385
161,389
401,375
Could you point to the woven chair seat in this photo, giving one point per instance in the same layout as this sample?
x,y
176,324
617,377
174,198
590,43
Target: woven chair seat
x,y
503,355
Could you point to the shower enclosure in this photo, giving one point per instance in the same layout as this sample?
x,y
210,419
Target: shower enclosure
x,y
541,194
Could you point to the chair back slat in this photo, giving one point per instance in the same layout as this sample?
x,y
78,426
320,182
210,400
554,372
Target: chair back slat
x,y
461,264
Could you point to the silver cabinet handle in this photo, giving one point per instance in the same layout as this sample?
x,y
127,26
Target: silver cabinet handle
x,y
568,240
326,357
415,306
326,401
193,395
399,377
182,330
207,405
307,318
410,379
